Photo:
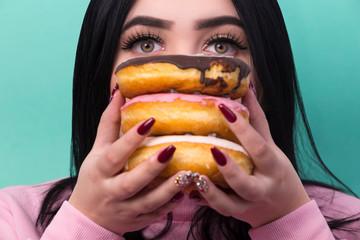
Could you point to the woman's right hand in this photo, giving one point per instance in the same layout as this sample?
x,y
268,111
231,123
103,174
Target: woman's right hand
x,y
119,201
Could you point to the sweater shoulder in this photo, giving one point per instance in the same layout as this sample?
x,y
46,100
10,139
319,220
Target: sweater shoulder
x,y
26,193
25,199
341,209
334,203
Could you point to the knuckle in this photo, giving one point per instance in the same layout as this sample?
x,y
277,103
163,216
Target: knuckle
x,y
241,127
93,176
261,150
212,198
147,207
131,139
232,175
152,169
279,177
109,116
111,158
128,140
103,118
127,189
253,195
252,191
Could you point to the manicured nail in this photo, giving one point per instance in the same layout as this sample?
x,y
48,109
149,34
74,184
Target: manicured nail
x,y
145,127
166,154
195,195
200,182
115,88
218,156
178,197
228,114
183,179
252,87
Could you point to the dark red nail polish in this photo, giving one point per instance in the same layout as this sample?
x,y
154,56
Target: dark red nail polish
x,y
166,154
115,88
178,197
195,195
228,114
145,127
218,156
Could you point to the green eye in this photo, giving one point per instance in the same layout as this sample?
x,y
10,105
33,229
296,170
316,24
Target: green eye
x,y
221,47
147,46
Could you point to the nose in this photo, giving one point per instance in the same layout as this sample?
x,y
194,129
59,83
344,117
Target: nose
x,y
182,45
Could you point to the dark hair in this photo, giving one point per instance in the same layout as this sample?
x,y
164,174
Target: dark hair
x,y
273,60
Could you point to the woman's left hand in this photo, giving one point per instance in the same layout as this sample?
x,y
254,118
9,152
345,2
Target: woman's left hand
x,y
272,191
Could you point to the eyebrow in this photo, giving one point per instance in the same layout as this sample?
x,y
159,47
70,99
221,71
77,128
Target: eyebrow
x,y
218,21
148,21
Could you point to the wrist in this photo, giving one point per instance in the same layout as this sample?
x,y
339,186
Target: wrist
x,y
281,210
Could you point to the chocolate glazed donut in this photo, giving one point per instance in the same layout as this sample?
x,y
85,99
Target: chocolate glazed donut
x,y
211,75
183,94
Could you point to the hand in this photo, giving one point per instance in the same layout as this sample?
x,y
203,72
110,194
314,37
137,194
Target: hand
x,y
120,202
273,190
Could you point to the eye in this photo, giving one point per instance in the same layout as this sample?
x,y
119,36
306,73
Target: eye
x,y
146,46
143,43
224,44
221,48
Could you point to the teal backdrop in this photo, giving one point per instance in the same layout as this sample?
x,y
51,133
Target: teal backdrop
x,y
38,41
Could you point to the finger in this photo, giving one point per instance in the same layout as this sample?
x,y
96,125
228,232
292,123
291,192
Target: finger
x,y
166,193
163,210
225,204
130,183
257,116
109,125
117,154
259,150
245,185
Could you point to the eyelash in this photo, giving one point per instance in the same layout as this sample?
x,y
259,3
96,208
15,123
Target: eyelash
x,y
129,43
226,38
131,40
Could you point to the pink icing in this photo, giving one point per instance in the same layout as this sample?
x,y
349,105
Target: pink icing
x,y
170,97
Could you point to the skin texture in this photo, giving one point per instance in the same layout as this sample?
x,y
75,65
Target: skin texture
x,y
181,35
273,190
121,202
117,201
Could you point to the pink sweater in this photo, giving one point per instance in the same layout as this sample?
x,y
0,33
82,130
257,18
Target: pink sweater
x,y
19,208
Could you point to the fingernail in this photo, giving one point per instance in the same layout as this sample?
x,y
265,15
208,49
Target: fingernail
x,y
218,156
252,87
183,179
228,114
178,197
145,127
195,195
166,154
200,183
115,88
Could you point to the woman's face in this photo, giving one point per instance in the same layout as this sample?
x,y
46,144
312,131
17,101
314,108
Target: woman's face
x,y
164,27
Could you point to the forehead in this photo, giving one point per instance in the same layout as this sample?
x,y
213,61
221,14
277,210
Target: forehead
x,y
182,10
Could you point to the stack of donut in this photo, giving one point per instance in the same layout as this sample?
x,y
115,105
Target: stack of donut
x,y
183,94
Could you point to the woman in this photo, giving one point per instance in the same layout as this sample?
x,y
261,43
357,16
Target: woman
x,y
98,202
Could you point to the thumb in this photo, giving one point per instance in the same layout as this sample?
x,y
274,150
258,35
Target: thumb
x,y
109,125
257,116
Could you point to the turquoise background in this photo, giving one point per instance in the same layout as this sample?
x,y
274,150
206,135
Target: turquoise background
x,y
38,40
